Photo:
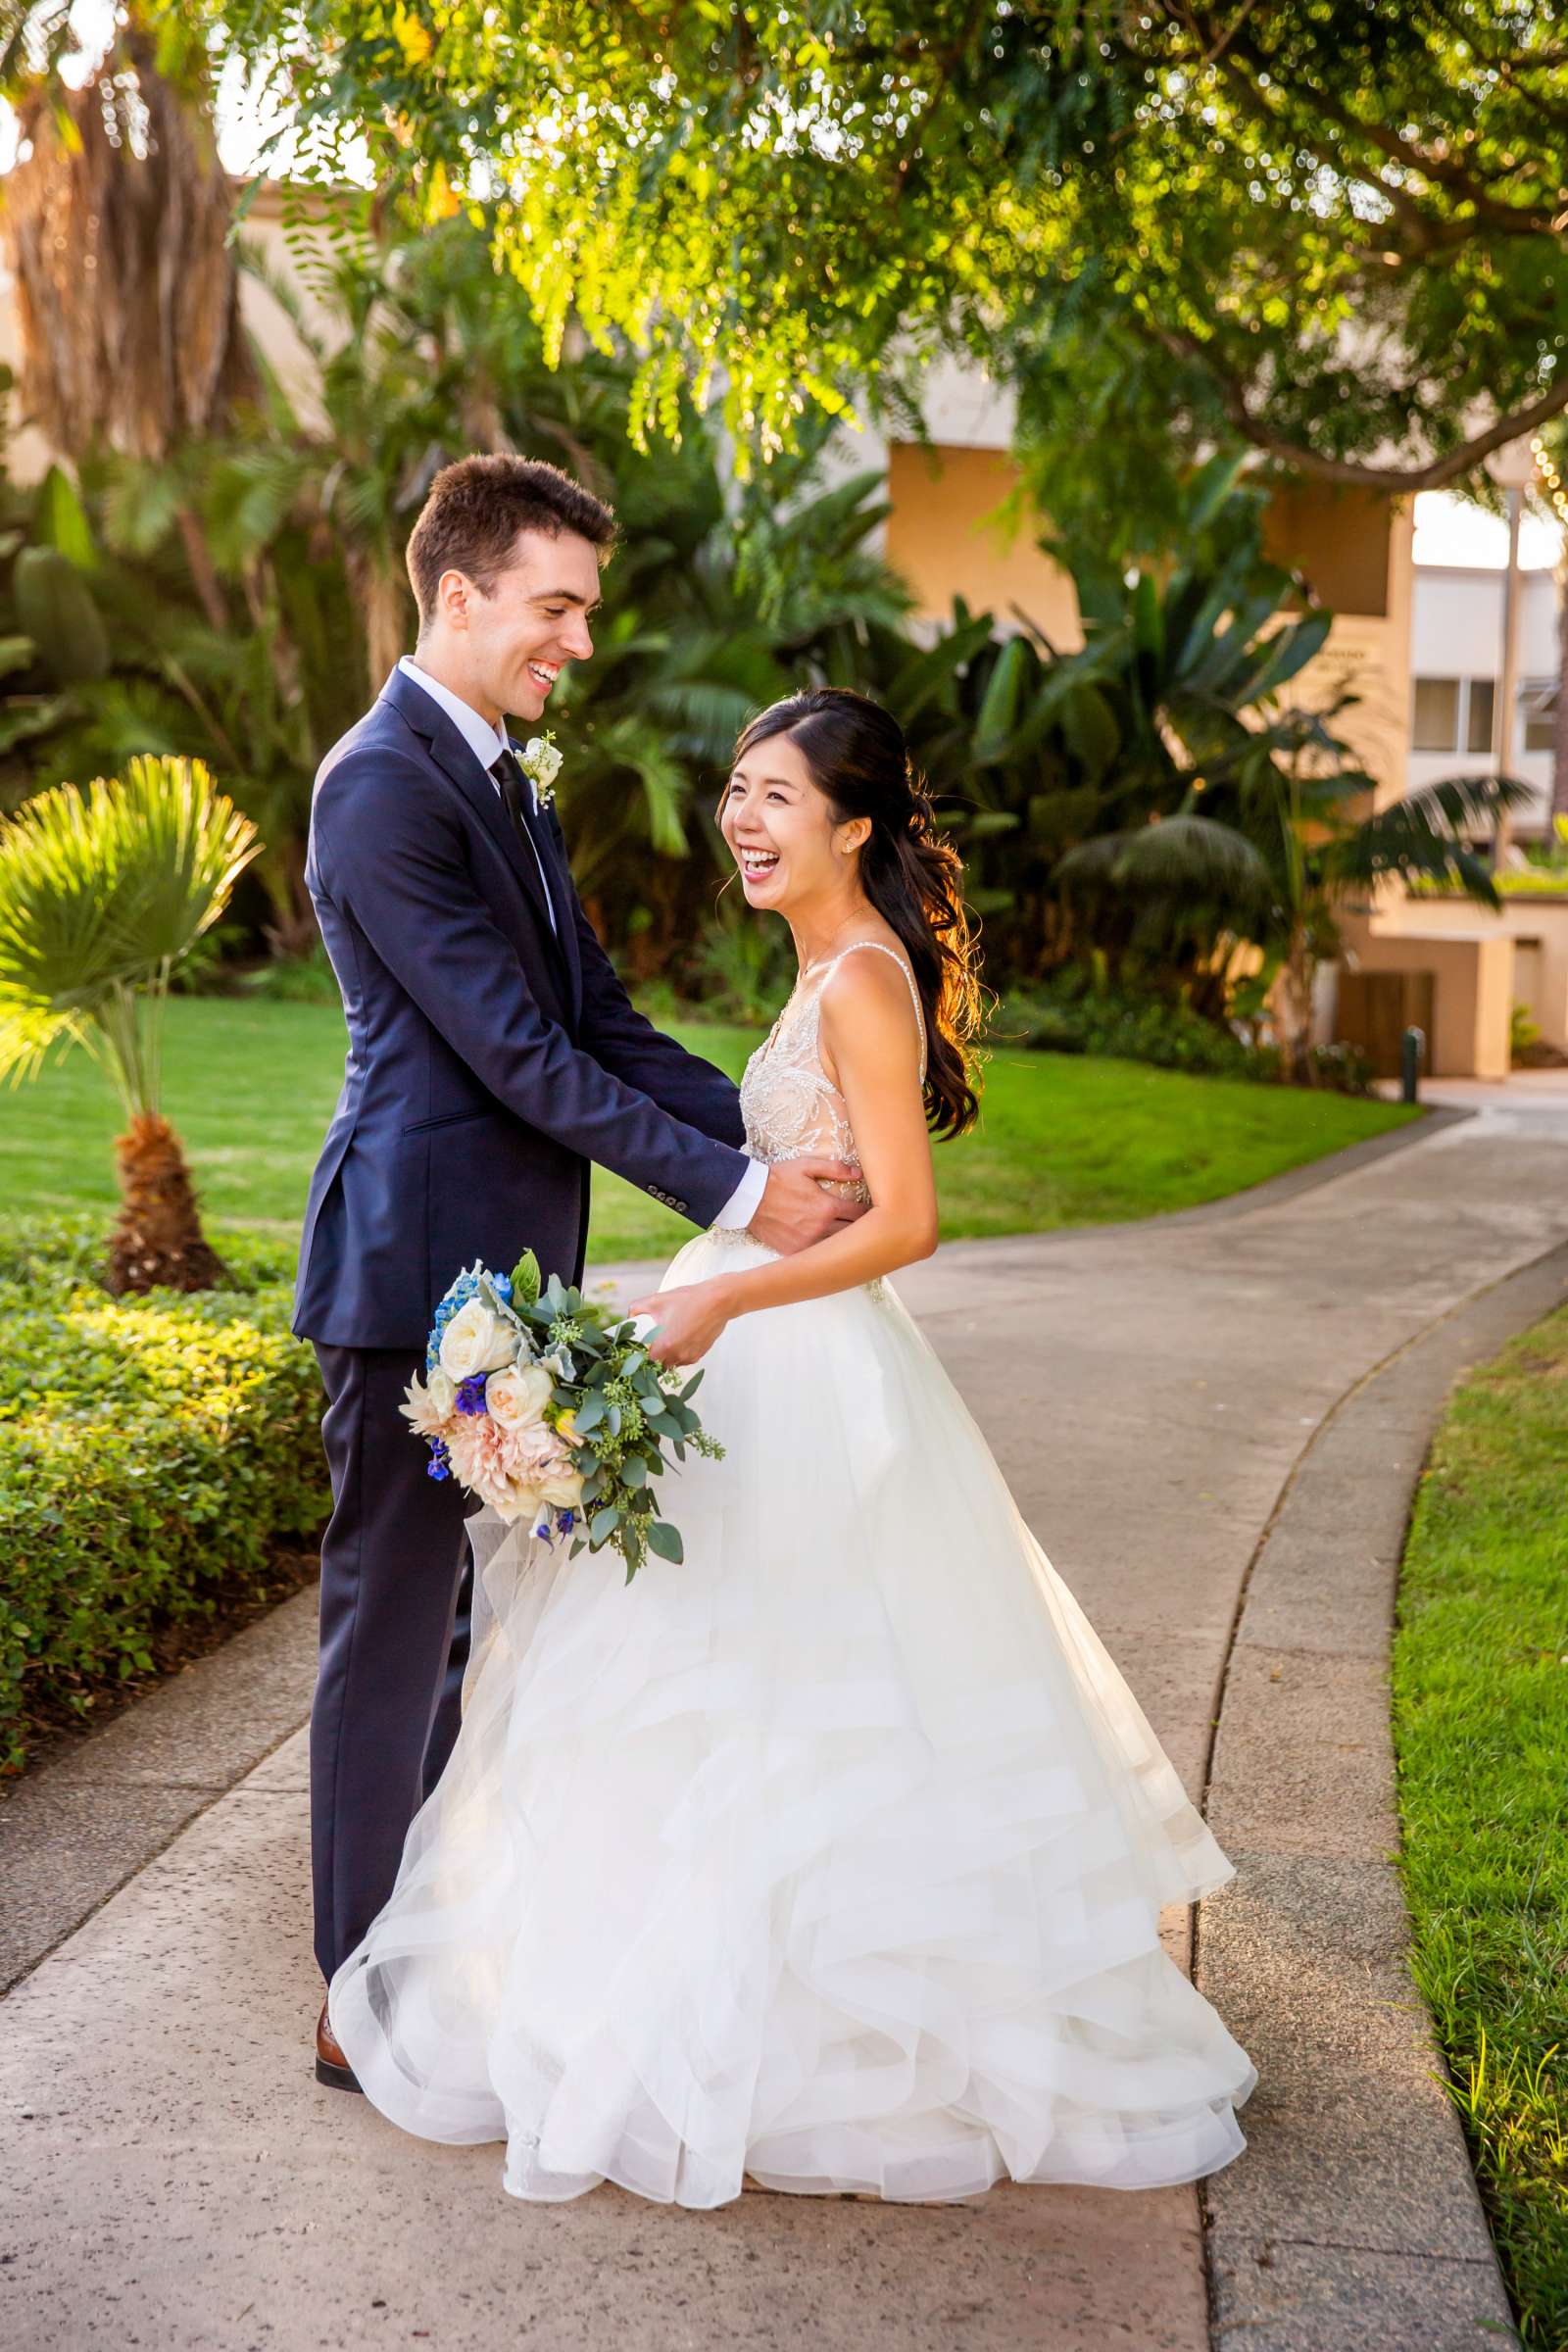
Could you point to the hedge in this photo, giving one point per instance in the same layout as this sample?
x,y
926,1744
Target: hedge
x,y
156,1456
1066,1016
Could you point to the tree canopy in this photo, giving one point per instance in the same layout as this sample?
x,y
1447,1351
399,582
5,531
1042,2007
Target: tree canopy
x,y
1329,229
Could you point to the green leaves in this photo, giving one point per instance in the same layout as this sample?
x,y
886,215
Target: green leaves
x,y
525,1280
157,1457
101,894
1333,234
55,608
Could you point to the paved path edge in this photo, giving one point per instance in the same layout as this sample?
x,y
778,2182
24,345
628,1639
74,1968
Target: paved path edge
x,y
1354,2216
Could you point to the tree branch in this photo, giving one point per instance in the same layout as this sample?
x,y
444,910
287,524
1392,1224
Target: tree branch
x,y
1435,474
1234,52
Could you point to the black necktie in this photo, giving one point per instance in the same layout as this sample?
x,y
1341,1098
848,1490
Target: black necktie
x,y
518,800
515,794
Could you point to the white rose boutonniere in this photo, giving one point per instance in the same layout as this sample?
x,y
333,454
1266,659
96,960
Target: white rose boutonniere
x,y
540,761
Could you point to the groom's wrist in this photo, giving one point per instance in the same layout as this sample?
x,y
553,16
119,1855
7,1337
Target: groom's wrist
x,y
745,1200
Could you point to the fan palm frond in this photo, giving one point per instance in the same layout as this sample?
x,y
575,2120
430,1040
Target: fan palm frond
x,y
102,894
1426,834
1184,852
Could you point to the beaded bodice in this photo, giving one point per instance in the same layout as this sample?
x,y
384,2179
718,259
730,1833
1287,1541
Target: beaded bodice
x,y
791,1107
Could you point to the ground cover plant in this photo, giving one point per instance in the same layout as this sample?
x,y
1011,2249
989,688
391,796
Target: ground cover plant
x,y
157,1455
1481,1725
1062,1140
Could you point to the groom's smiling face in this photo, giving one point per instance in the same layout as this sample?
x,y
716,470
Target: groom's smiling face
x,y
518,634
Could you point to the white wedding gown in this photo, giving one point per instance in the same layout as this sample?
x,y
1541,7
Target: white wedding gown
x,y
832,1857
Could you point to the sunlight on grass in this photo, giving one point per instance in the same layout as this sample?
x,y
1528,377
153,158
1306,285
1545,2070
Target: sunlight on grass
x,y
1481,1725
1063,1142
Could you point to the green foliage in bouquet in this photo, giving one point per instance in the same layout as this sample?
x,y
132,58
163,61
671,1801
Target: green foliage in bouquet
x,y
624,1410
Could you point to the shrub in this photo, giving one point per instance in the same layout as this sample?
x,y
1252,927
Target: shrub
x,y
1069,1017
1072,1015
156,1454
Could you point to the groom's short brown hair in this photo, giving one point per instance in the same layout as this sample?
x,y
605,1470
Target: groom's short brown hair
x,y
477,507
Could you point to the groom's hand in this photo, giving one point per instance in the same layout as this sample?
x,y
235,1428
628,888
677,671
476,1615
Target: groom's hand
x,y
795,1211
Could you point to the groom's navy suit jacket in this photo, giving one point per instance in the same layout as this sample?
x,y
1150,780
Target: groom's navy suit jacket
x,y
492,1055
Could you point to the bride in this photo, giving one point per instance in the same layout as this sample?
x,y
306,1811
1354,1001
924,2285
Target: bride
x,y
830,1860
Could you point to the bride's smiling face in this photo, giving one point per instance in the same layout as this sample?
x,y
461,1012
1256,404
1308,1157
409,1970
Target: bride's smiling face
x,y
783,834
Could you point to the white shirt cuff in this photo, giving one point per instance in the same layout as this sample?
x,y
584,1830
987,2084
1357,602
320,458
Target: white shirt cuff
x,y
746,1197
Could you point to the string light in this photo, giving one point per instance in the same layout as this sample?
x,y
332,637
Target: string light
x,y
1551,479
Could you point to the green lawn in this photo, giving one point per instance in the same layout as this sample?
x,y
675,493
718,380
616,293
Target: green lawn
x,y
1481,1726
1064,1142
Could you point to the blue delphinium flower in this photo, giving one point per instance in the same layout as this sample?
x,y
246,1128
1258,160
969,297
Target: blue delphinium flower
x,y
440,1460
471,1393
565,1522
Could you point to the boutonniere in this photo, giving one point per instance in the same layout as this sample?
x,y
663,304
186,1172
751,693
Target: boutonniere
x,y
540,763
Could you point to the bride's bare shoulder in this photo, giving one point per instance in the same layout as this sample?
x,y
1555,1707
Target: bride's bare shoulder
x,y
868,1002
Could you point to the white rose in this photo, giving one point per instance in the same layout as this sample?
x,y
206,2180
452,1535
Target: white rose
x,y
442,1394
542,760
516,1397
477,1340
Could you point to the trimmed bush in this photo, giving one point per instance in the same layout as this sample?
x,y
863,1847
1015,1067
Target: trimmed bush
x,y
156,1454
1070,1017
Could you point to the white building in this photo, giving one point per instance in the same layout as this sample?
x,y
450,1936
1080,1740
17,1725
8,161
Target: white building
x,y
1456,630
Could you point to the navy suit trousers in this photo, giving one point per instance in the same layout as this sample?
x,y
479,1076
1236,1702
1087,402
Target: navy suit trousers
x,y
395,1571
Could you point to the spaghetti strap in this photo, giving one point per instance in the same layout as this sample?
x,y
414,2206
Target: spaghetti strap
x,y
883,949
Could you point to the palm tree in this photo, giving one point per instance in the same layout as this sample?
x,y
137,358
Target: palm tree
x,y
1290,854
102,895
116,231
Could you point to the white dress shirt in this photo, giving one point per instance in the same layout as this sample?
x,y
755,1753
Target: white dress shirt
x,y
487,743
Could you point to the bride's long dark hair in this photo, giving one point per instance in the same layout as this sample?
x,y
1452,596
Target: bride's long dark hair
x,y
859,758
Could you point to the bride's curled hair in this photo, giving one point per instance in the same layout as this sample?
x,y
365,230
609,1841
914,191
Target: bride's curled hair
x,y
859,759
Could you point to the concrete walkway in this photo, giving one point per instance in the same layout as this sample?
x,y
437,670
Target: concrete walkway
x,y
171,2177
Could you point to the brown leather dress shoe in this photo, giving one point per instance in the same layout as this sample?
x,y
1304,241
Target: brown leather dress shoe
x,y
332,2067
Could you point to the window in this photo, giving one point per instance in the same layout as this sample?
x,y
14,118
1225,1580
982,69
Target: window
x,y
1436,724
1537,715
1452,715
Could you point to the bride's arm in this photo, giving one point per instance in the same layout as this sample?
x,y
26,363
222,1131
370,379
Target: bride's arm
x,y
871,1047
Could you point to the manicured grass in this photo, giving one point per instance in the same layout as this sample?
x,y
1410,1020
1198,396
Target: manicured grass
x,y
1063,1141
1481,1724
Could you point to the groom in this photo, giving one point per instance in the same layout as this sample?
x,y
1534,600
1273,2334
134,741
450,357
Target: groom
x,y
493,1054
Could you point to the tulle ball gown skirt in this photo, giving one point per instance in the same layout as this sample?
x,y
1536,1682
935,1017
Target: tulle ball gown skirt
x,y
831,1857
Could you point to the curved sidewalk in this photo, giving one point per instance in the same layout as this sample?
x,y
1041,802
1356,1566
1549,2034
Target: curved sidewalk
x,y
171,2174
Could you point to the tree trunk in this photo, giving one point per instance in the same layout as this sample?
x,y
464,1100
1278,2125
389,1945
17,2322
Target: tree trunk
x,y
386,611
1293,997
203,571
159,1238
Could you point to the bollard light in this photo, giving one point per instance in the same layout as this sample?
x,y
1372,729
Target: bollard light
x,y
1412,1045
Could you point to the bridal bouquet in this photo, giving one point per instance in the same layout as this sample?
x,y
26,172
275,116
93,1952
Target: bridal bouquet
x,y
549,1408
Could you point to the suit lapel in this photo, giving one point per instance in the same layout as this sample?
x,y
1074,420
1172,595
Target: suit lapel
x,y
552,851
460,766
